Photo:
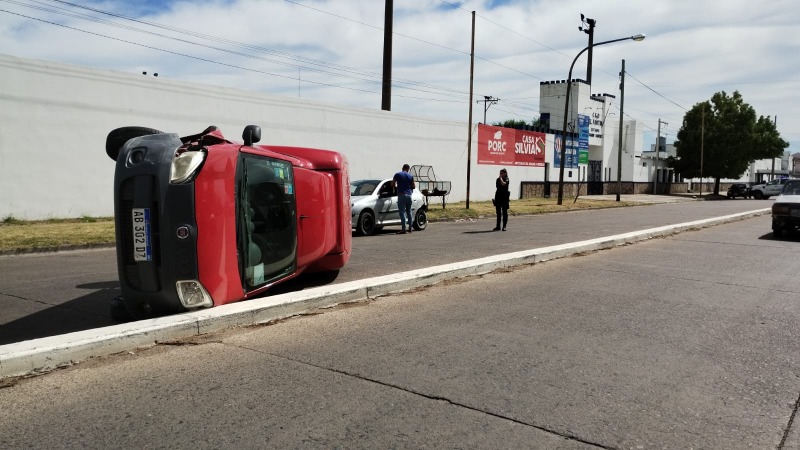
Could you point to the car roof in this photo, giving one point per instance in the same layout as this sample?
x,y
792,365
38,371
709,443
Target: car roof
x,y
365,181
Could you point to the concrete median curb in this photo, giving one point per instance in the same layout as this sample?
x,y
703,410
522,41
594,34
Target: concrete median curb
x,y
45,354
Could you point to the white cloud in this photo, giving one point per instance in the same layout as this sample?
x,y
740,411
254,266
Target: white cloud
x,y
693,49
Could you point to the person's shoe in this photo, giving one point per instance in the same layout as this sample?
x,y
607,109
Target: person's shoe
x,y
401,232
409,231
504,229
496,229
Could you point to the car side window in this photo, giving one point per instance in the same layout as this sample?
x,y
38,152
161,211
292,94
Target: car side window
x,y
362,189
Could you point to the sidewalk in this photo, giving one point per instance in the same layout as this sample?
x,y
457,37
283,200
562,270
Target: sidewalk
x,y
646,198
40,355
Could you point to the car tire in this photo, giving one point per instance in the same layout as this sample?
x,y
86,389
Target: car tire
x,y
758,195
366,223
421,220
118,137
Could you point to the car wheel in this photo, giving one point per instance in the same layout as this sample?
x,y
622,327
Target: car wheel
x,y
366,223
421,220
758,195
117,138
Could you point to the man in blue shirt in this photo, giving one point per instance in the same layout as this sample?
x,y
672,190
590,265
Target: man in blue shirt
x,y
403,182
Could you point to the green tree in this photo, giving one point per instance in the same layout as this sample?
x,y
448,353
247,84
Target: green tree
x,y
726,134
511,123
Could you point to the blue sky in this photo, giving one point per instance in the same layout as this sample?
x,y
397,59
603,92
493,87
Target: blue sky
x,y
331,51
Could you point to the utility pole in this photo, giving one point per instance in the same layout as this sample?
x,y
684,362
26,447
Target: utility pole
x,y
658,161
619,151
702,137
587,26
772,173
469,123
386,98
488,101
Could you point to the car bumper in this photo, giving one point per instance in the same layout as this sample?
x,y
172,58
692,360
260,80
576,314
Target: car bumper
x,y
148,285
784,222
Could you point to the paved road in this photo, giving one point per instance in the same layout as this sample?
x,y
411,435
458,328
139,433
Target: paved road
x,y
51,294
682,342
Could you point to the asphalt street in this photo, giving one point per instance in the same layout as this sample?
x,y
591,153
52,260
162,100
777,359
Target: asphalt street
x,y
55,293
687,341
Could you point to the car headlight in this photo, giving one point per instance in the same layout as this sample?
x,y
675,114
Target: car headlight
x,y
185,166
192,294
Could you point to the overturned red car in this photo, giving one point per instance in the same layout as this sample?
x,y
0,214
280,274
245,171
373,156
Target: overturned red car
x,y
202,221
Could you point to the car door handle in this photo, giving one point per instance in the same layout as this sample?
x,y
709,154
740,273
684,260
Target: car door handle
x,y
304,217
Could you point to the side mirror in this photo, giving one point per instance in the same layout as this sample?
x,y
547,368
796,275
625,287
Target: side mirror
x,y
251,135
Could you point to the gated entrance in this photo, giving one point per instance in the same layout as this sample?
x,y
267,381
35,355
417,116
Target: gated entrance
x,y
594,182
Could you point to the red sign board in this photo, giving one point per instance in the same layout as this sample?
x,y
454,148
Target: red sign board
x,y
509,147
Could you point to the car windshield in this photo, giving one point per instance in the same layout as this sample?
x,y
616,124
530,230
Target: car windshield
x,y
363,187
267,231
791,188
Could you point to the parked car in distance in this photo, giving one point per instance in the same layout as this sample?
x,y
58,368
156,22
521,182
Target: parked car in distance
x,y
374,206
202,221
767,190
738,190
786,209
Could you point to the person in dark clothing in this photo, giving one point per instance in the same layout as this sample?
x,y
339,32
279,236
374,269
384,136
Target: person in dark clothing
x,y
403,182
501,199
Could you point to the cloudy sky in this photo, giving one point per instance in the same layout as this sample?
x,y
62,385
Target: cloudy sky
x,y
331,50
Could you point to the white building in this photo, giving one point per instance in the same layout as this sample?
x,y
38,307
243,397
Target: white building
x,y
638,166
604,130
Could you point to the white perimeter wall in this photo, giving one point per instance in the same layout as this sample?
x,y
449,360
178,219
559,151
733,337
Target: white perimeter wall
x,y
54,119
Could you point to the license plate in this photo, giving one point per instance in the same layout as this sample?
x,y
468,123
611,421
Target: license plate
x,y
141,235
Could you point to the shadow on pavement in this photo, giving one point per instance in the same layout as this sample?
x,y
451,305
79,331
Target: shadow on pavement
x,y
789,236
92,310
82,313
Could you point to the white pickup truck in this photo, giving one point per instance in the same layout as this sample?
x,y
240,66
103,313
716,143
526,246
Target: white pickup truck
x,y
765,190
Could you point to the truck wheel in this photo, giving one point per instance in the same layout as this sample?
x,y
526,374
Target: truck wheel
x,y
117,138
366,223
421,220
758,195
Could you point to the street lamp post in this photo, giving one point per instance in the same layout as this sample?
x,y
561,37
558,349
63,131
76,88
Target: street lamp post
x,y
638,37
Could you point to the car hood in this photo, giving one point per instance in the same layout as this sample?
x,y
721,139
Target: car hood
x,y
787,199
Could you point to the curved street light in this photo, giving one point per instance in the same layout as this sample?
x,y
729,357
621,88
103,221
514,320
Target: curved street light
x,y
637,38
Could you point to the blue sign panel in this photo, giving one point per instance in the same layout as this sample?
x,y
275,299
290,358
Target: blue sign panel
x,y
583,139
571,155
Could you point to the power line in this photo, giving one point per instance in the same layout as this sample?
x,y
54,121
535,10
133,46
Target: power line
x,y
197,58
655,92
183,32
508,29
447,91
